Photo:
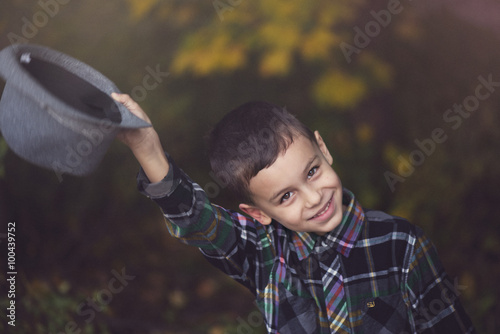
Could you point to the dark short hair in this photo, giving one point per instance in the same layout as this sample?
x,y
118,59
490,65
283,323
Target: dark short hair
x,y
248,139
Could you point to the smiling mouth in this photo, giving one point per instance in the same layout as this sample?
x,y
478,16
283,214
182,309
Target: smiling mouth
x,y
324,210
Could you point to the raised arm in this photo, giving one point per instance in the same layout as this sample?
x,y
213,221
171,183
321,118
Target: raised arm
x,y
227,239
144,143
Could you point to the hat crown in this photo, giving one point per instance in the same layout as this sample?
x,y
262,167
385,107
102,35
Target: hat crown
x,y
71,89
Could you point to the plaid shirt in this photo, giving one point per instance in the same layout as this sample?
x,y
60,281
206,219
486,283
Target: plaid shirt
x,y
374,273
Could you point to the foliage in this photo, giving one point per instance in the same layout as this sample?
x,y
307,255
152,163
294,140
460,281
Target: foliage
x,y
50,309
273,38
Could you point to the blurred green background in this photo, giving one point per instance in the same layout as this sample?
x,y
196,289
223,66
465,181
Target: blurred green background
x,y
381,80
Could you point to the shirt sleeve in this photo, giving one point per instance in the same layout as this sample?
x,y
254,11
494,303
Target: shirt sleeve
x,y
226,238
436,307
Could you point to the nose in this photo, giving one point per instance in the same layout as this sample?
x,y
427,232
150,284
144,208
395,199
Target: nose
x,y
312,197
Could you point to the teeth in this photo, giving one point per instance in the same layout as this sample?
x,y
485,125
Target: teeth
x,y
322,212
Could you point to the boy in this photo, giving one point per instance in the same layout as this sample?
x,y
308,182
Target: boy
x,y
315,260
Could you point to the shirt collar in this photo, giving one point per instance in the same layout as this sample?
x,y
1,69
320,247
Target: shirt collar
x,y
342,238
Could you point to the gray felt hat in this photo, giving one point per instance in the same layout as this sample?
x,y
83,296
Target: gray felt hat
x,y
56,112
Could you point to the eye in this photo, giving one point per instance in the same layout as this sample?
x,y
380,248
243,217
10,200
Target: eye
x,y
286,197
313,171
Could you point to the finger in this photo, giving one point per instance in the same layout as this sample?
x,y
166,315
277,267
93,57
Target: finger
x,y
131,105
126,100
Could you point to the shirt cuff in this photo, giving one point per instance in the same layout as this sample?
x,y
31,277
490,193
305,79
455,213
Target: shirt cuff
x,y
174,194
159,189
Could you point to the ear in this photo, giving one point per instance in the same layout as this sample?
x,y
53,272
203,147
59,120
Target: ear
x,y
256,213
323,148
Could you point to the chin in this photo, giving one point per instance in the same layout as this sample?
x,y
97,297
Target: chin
x,y
334,222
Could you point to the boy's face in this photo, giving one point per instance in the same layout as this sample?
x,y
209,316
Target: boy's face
x,y
300,189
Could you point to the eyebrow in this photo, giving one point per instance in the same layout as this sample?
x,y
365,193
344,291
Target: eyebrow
x,y
306,170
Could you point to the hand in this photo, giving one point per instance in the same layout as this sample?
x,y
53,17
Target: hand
x,y
144,142
134,138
